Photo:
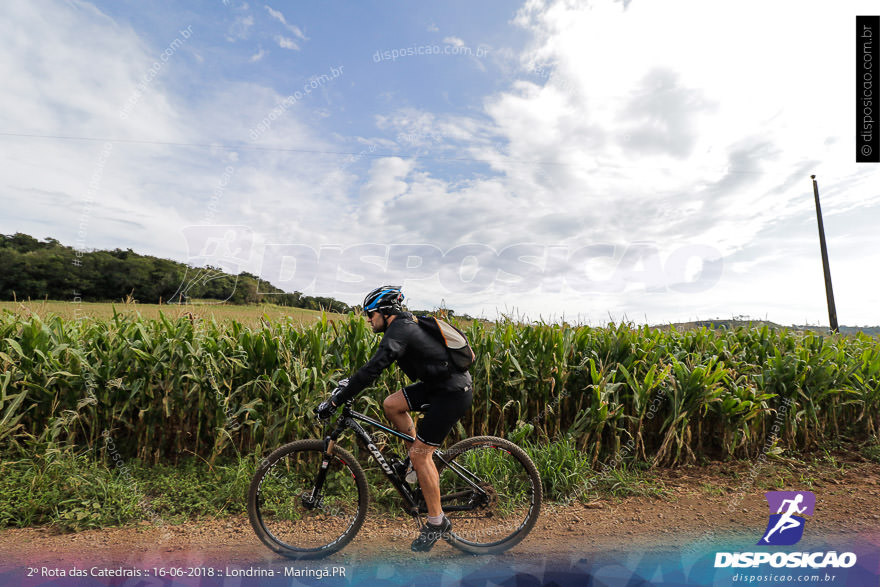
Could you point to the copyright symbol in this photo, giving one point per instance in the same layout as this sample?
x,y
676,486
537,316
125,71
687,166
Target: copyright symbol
x,y
866,150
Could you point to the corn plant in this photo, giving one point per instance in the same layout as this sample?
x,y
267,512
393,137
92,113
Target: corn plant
x,y
172,387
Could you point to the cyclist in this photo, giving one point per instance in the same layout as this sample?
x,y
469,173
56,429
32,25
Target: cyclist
x,y
442,392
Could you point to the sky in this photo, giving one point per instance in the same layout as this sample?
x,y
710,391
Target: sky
x,y
548,160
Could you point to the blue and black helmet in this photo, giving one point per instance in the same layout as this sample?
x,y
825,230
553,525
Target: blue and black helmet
x,y
386,299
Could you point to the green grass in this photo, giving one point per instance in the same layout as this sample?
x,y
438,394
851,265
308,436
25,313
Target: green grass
x,y
871,451
810,469
562,467
713,489
629,482
567,475
73,492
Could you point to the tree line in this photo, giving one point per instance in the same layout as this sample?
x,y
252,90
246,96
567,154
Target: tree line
x,y
34,269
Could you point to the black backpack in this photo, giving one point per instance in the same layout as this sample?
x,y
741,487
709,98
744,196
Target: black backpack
x,y
453,339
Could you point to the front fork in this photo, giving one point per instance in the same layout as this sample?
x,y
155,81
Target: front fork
x,y
313,499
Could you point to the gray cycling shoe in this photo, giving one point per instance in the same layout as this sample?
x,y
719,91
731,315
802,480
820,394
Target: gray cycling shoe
x,y
430,534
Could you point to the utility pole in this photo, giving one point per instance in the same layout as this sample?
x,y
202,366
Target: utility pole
x,y
829,292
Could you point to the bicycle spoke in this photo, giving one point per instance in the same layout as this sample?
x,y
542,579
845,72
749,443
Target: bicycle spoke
x,y
488,494
294,520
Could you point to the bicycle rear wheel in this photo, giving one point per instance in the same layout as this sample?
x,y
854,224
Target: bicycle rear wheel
x,y
289,519
503,513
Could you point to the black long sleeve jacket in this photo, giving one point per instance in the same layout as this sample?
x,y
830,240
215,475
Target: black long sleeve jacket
x,y
420,356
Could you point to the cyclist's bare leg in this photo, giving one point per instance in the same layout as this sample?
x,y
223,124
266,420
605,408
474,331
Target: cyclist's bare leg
x,y
397,411
429,479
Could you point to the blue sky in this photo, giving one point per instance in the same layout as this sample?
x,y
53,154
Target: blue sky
x,y
635,160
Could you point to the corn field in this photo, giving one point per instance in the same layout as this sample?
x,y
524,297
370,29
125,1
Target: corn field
x,y
167,389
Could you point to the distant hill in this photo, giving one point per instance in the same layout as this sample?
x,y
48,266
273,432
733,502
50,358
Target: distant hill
x,y
742,322
850,330
33,269
730,324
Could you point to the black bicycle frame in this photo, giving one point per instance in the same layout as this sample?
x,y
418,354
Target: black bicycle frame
x,y
348,420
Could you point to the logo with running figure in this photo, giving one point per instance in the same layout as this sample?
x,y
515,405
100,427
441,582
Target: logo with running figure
x,y
787,511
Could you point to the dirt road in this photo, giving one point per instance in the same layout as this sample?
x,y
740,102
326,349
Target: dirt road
x,y
702,508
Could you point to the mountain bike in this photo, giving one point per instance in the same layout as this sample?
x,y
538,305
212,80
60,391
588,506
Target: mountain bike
x,y
309,498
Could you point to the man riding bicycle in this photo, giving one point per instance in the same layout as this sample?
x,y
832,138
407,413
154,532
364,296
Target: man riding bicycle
x,y
441,391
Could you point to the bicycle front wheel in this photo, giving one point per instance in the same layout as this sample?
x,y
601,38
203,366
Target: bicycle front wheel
x,y
293,520
491,492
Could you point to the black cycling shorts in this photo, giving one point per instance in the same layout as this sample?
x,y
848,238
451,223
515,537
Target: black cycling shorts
x,y
443,405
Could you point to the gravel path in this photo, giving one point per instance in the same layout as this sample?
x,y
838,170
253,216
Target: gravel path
x,y
701,506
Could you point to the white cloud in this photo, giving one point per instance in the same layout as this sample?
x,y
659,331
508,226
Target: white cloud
x,y
454,41
680,137
675,144
240,28
141,195
647,143
433,28
286,43
277,15
258,56
386,181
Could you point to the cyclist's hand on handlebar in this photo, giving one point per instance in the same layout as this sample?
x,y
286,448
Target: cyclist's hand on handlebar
x,y
343,383
328,406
